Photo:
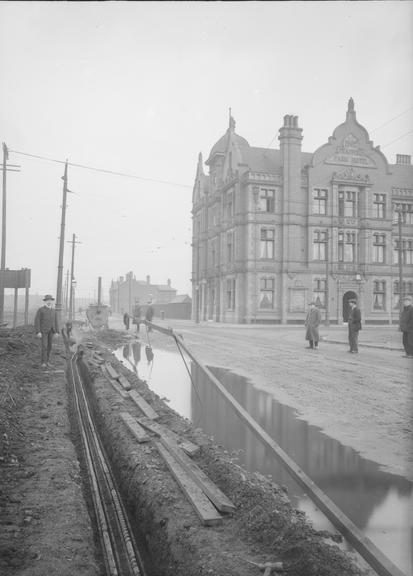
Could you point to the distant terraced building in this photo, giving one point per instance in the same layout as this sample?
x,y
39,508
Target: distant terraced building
x,y
274,229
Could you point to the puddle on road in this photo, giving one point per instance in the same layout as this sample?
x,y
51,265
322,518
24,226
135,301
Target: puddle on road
x,y
379,503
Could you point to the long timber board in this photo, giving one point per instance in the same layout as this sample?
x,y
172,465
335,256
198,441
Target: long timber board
x,y
202,506
162,431
134,427
143,405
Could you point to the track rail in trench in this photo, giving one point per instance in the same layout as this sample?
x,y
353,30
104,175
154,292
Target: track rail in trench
x,y
120,553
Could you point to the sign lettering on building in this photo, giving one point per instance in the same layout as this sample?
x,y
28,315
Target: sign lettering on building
x,y
349,154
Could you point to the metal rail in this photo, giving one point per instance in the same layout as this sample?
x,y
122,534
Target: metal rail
x,y
120,553
375,558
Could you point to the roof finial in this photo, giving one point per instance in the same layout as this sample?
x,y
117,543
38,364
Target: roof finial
x,y
350,105
231,121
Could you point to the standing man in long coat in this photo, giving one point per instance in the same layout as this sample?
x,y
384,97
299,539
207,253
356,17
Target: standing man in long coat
x,y
46,327
312,323
406,326
354,326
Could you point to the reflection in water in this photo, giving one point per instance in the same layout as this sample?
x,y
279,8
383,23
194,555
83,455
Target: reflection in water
x,y
166,374
379,503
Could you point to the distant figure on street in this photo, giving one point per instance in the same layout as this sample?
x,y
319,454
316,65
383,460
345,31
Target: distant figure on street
x,y
406,326
354,326
312,322
45,324
149,314
137,313
126,320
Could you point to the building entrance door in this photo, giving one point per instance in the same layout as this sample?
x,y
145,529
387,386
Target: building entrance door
x,y
350,295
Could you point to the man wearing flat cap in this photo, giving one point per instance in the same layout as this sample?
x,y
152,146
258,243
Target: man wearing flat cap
x,y
354,326
45,324
312,322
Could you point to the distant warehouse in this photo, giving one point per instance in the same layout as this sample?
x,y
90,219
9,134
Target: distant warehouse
x,y
127,290
275,229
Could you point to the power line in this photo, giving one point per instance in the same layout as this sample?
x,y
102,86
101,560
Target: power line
x,y
396,139
391,120
124,174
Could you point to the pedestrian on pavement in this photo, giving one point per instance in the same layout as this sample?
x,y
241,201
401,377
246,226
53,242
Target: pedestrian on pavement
x,y
406,326
354,326
45,324
126,320
149,314
312,323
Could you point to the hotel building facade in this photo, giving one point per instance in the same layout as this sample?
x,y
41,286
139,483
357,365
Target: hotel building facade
x,y
276,229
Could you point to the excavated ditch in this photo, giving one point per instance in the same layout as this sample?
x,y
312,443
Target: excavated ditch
x,y
264,527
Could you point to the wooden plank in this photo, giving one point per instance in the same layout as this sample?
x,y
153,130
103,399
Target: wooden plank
x,y
143,405
188,447
134,427
365,547
124,382
115,384
111,371
202,506
169,440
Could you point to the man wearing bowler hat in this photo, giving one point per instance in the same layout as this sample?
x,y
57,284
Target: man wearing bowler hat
x,y
354,326
46,327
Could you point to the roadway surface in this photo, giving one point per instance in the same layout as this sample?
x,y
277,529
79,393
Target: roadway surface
x,y
363,400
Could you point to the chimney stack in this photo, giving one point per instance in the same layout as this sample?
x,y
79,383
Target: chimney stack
x,y
169,282
403,159
148,280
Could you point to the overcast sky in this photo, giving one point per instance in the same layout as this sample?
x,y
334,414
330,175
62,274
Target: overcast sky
x,y
142,88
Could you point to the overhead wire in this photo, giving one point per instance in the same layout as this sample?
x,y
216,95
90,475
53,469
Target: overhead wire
x,y
102,170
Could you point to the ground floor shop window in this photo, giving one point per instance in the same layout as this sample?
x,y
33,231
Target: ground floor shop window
x,y
267,293
379,295
231,294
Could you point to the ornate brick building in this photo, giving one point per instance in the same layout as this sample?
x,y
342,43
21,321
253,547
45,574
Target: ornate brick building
x,y
274,229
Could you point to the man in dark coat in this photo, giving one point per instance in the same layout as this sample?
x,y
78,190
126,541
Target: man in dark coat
x,y
354,326
126,320
45,324
149,314
406,326
312,322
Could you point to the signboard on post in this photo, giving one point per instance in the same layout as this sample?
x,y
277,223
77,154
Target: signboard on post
x,y
15,278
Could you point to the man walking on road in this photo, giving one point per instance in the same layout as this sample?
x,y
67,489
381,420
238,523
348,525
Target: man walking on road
x,y
312,322
354,326
406,326
46,327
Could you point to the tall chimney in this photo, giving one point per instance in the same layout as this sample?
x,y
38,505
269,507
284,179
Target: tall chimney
x,y
293,207
169,282
99,290
148,280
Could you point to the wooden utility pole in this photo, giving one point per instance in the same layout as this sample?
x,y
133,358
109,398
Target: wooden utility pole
x,y
6,168
59,290
72,280
67,294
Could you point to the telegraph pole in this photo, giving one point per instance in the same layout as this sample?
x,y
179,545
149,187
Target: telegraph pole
x,y
67,294
401,290
61,252
72,279
5,168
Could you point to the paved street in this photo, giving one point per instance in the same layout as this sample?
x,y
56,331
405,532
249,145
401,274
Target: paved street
x,y
365,400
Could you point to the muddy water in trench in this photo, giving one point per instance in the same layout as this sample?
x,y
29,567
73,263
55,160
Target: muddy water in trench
x,y
379,503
